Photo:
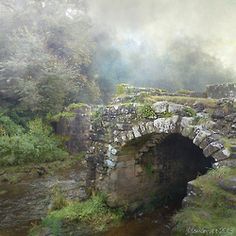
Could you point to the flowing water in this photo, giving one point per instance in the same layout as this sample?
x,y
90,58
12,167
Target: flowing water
x,y
24,203
157,223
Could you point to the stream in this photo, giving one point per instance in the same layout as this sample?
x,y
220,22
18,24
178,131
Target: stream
x,y
23,204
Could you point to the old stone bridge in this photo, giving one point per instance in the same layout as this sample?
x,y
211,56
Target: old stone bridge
x,y
148,144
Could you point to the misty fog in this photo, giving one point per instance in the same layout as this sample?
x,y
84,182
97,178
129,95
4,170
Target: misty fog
x,y
94,45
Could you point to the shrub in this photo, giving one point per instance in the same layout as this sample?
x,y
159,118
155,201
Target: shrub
x,y
146,111
61,115
120,89
8,127
190,112
37,145
74,106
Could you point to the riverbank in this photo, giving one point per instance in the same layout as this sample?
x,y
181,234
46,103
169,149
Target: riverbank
x,y
210,207
28,192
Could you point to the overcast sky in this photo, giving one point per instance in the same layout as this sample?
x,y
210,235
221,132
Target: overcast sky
x,y
160,22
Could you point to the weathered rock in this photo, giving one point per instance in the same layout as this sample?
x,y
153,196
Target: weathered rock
x,y
208,140
231,117
130,135
199,106
201,136
228,185
160,107
221,90
150,127
218,114
110,164
228,163
166,125
221,155
192,191
212,148
136,131
175,108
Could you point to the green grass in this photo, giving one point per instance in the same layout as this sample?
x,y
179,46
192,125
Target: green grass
x,y
146,111
190,112
61,115
212,210
121,89
15,174
93,212
166,114
189,101
184,92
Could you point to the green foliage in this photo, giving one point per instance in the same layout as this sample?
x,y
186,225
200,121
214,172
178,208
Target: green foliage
x,y
67,113
120,89
166,114
37,145
93,212
58,199
190,112
189,101
61,115
52,93
74,106
146,111
52,53
211,210
8,127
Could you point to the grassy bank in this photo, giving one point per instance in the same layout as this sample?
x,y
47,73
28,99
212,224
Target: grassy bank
x,y
94,214
213,210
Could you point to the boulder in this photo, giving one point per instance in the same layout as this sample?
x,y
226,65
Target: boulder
x,y
228,185
199,106
221,155
218,114
212,148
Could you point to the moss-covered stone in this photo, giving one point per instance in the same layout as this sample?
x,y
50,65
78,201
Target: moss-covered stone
x,y
212,211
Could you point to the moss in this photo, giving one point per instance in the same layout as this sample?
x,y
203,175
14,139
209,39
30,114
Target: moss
x,y
228,143
121,89
93,212
58,199
184,92
15,174
75,106
62,115
213,209
146,111
189,101
166,114
149,169
190,112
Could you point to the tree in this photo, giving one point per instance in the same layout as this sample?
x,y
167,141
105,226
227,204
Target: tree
x,y
40,41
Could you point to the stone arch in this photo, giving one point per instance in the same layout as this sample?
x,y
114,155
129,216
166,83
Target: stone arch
x,y
201,136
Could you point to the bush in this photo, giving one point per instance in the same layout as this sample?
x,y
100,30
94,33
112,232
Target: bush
x,y
8,127
146,111
37,145
120,89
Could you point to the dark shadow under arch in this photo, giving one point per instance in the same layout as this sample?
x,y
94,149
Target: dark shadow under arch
x,y
155,168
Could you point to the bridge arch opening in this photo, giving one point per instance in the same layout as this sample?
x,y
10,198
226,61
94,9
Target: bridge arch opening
x,y
156,168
